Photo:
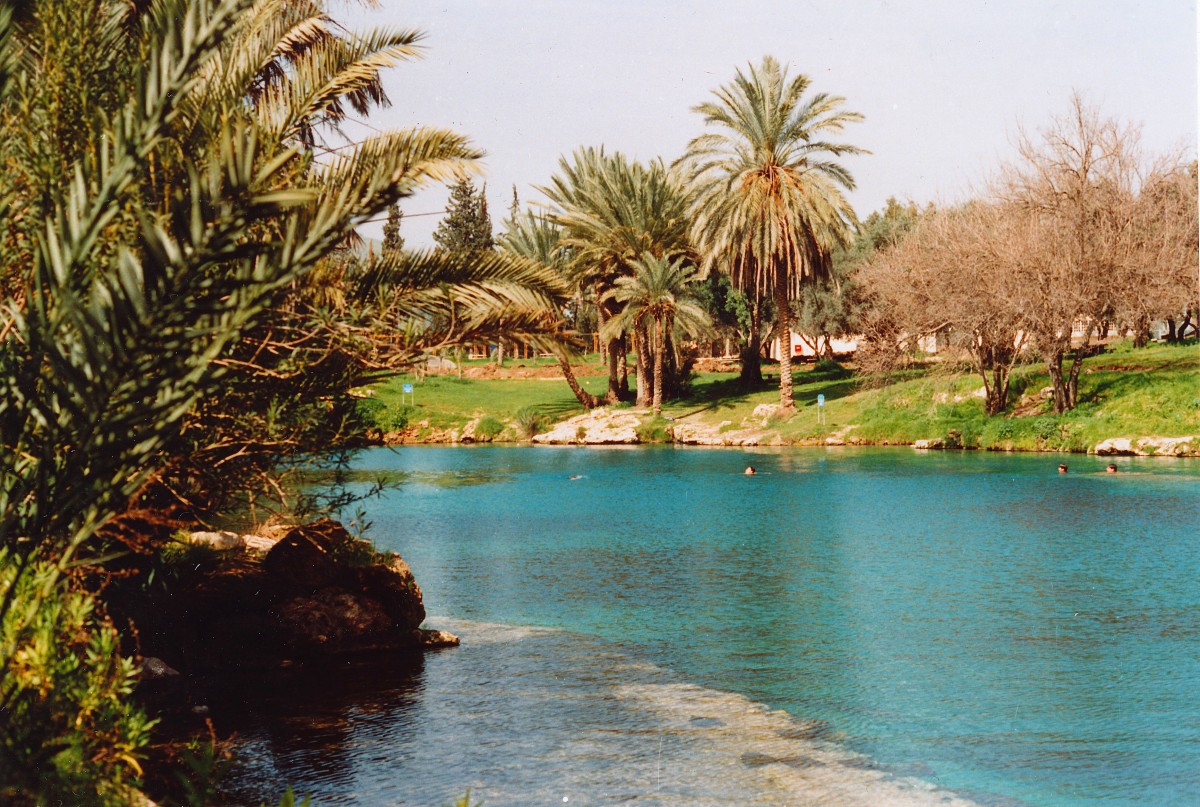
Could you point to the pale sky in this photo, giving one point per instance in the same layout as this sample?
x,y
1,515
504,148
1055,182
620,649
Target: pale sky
x,y
943,84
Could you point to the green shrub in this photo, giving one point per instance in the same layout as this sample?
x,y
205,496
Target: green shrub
x,y
371,412
527,422
656,430
70,734
488,428
1045,428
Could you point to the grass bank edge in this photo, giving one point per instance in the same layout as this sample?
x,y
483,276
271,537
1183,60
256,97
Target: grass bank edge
x,y
1124,392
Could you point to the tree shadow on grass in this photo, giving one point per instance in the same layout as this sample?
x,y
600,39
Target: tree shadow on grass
x,y
559,410
806,395
722,394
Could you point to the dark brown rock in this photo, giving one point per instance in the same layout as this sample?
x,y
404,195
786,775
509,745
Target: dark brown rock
x,y
394,586
332,619
300,562
317,592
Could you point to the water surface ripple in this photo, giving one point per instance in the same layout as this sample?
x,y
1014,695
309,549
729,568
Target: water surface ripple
x,y
845,627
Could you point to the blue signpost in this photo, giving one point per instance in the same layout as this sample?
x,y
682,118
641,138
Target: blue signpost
x,y
408,390
820,407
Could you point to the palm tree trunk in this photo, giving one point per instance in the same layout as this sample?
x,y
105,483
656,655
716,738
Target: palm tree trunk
x,y
586,398
623,368
614,385
751,353
645,383
784,330
659,349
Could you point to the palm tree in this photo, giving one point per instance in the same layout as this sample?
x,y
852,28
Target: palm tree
x,y
174,214
657,297
768,204
612,211
537,239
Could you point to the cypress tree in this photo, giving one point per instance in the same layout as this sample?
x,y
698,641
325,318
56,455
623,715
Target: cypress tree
x,y
466,225
392,240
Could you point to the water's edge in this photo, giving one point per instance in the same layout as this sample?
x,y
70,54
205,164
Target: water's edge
x,y
530,715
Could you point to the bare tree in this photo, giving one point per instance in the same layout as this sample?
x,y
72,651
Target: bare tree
x,y
1162,281
1077,182
954,277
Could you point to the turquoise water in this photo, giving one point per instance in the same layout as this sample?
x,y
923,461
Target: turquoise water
x,y
937,623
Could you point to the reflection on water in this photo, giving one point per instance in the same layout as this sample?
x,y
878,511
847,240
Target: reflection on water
x,y
976,622
311,725
526,716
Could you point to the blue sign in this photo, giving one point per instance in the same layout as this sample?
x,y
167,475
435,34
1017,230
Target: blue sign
x,y
821,399
408,389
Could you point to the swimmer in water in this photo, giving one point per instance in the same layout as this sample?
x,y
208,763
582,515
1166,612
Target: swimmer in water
x,y
1111,469
750,470
1062,469
573,477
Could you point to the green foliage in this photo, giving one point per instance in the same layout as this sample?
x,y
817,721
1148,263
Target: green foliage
x,y
183,559
177,323
70,732
727,307
289,799
375,414
657,300
466,226
392,240
202,765
655,430
527,422
488,427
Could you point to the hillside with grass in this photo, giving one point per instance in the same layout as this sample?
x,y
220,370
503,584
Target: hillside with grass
x,y
1124,392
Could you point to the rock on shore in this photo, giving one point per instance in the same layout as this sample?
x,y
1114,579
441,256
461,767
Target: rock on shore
x,y
601,426
1149,446
318,591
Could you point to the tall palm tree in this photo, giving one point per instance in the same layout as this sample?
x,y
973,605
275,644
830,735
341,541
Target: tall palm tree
x,y
658,297
768,204
613,210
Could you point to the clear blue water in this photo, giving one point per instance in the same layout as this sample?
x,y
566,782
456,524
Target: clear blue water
x,y
847,626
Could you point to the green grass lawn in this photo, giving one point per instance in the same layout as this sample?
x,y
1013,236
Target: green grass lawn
x,y
1124,392
446,402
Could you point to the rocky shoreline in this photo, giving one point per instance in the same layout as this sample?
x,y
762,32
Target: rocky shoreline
x,y
621,426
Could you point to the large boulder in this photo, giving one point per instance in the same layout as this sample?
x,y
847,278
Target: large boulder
x,y
600,426
301,561
318,592
392,584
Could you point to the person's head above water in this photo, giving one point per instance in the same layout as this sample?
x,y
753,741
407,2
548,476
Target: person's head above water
x,y
1062,469
750,470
